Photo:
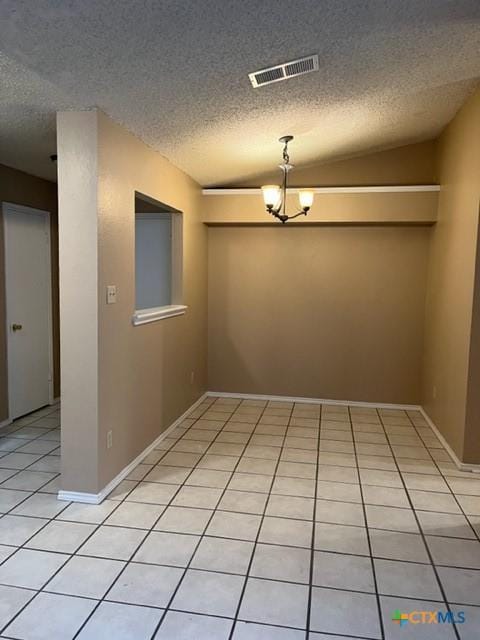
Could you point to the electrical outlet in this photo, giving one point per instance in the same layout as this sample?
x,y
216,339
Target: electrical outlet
x,y
109,439
192,377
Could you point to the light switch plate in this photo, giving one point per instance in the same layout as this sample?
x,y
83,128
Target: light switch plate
x,y
111,294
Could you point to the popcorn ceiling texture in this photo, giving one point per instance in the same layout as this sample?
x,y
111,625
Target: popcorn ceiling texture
x,y
175,74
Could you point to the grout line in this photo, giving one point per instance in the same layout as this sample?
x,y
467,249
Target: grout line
x,y
201,537
434,568
255,542
369,542
327,522
455,494
221,573
314,527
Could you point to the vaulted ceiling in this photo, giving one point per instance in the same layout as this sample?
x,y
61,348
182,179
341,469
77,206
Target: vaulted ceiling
x,y
174,72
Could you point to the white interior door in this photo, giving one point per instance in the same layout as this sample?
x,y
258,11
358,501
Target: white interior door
x,y
29,313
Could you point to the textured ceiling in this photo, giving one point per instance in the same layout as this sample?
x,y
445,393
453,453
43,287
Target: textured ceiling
x,y
174,72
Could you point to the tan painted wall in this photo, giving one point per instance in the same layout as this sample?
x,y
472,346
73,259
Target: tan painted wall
x,y
344,303
30,191
417,207
410,164
447,396
143,372
324,312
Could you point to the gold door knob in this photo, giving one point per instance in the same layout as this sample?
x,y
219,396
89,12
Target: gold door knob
x,y
17,327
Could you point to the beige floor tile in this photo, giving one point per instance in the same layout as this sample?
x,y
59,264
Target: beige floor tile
x,y
51,616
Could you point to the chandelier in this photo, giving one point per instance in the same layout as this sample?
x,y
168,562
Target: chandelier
x,y
275,197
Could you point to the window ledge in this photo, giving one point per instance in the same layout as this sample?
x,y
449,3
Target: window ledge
x,y
144,316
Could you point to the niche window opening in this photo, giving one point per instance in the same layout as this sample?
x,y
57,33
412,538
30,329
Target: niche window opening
x,y
158,261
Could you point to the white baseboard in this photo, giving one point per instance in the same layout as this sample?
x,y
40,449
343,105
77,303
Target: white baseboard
x,y
78,496
352,403
462,466
97,498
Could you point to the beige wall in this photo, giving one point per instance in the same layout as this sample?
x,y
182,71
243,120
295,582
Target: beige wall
x,y
444,371
323,312
415,207
22,188
335,311
452,332
142,377
410,164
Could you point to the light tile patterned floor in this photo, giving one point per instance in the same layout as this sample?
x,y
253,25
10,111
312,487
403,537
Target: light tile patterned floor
x,y
253,520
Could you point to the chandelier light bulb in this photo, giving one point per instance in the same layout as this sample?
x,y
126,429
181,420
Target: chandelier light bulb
x,y
271,195
306,198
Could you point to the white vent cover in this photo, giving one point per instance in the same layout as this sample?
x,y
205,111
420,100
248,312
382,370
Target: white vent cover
x,y
284,71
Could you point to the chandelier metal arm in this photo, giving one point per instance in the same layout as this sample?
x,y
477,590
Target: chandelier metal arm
x,y
284,218
280,216
300,213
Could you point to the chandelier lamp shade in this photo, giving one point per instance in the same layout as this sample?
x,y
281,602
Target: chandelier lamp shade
x,y
275,197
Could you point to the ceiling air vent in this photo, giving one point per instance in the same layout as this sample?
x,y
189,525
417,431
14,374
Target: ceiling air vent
x,y
284,71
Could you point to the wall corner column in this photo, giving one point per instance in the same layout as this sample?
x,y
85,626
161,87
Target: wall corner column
x,y
77,148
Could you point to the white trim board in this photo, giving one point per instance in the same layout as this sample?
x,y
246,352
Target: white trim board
x,y
97,498
462,466
144,316
373,189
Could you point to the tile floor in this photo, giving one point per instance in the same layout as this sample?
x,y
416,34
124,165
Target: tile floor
x,y
253,520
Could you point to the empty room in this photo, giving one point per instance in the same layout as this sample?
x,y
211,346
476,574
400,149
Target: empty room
x,y
240,335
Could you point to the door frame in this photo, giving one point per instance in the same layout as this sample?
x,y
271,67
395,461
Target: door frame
x,y
11,207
